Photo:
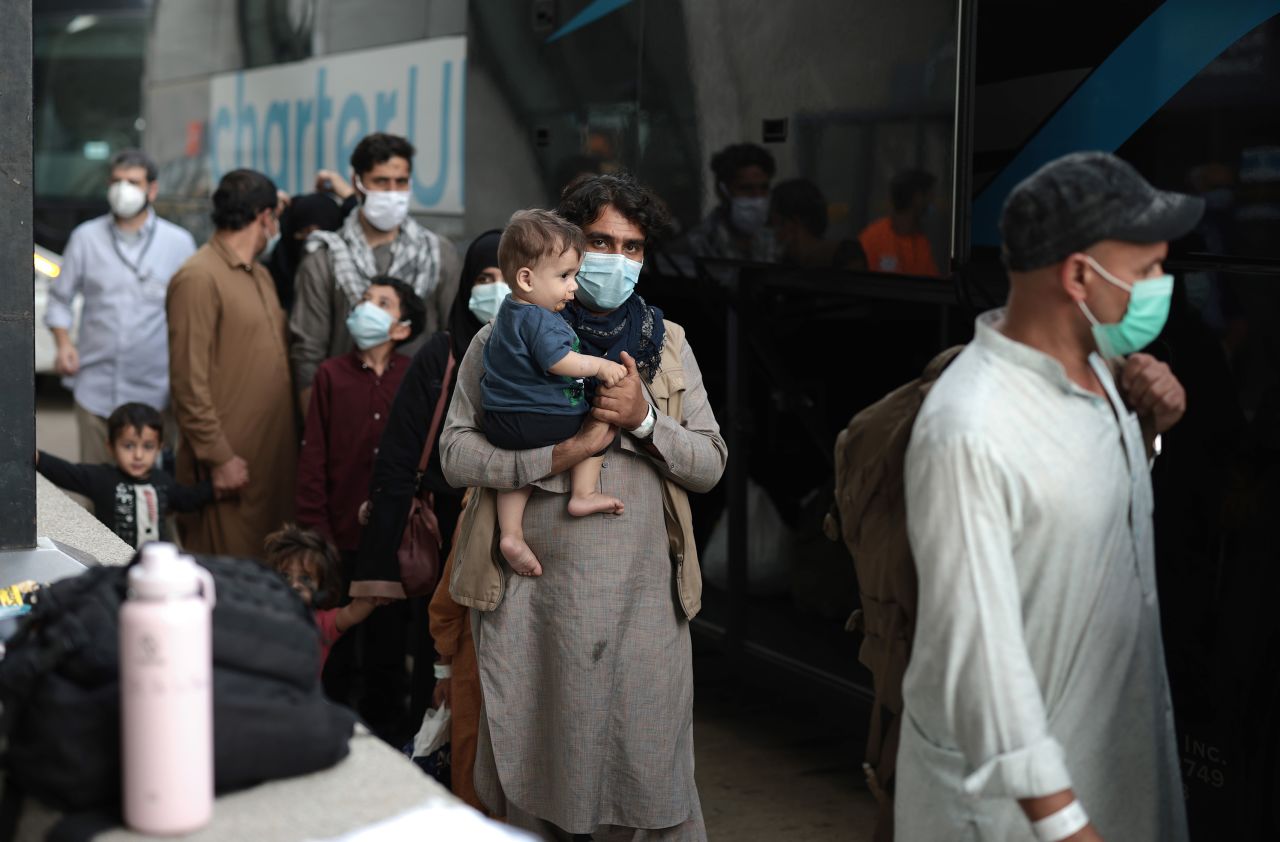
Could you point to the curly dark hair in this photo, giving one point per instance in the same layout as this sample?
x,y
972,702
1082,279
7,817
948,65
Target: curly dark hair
x,y
726,163
378,148
240,197
586,196
412,310
294,542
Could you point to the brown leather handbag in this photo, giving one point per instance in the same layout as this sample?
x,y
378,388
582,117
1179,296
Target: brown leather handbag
x,y
419,553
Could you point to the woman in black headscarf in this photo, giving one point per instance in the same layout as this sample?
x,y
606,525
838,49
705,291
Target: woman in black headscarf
x,y
307,213
480,291
406,432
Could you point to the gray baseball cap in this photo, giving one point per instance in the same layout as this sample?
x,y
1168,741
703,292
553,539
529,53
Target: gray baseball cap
x,y
1083,198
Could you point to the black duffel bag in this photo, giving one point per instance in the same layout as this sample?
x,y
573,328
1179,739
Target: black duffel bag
x,y
60,689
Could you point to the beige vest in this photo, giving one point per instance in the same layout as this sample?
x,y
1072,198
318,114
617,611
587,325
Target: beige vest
x,y
478,580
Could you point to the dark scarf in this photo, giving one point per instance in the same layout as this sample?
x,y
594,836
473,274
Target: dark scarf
x,y
462,325
635,327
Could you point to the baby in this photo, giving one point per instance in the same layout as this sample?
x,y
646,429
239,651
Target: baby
x,y
532,389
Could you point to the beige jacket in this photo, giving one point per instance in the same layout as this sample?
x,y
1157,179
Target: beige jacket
x,y
478,579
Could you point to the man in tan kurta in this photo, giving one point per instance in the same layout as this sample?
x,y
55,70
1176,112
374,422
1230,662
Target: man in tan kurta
x,y
229,372
586,670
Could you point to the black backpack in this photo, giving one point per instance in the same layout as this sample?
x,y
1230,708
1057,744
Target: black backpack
x,y
59,686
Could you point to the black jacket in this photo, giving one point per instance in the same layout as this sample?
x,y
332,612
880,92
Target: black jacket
x,y
395,468
114,493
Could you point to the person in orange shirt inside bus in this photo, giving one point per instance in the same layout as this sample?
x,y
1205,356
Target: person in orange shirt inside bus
x,y
896,243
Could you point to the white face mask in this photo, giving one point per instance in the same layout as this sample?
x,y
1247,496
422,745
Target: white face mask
x,y
486,299
385,209
749,215
126,199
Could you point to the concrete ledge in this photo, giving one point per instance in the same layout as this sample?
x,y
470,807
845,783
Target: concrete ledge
x,y
60,518
373,783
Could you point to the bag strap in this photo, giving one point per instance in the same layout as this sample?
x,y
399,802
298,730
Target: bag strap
x,y
437,417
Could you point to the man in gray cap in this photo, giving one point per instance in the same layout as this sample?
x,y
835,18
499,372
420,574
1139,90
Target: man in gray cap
x,y
1037,705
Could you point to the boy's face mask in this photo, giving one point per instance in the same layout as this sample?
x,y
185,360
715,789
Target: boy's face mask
x,y
1144,318
369,325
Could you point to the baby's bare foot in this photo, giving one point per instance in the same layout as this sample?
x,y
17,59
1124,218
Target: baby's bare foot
x,y
594,504
519,556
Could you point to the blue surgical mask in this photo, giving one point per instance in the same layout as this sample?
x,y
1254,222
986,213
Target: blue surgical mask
x,y
369,325
1144,318
748,215
486,299
605,281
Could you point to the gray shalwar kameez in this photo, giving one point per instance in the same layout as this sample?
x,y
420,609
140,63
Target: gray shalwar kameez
x,y
1037,664
586,670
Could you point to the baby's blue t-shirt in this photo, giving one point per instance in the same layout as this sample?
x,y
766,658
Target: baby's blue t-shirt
x,y
525,342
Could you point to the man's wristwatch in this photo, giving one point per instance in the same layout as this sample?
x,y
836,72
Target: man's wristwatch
x,y
645,430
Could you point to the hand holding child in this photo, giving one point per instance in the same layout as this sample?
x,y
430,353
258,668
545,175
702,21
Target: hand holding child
x,y
622,405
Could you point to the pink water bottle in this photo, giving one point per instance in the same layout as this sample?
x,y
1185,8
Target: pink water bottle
x,y
166,705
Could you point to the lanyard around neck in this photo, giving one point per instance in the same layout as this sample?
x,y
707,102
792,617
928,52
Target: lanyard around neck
x,y
135,268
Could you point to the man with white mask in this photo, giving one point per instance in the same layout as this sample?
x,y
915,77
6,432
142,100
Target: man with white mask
x,y
738,226
1036,700
378,238
120,263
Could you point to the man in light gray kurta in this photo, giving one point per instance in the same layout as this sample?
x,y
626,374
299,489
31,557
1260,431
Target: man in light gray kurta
x,y
586,670
1037,675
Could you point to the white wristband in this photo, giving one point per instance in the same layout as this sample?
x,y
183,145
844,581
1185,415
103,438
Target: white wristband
x,y
645,430
443,671
1068,821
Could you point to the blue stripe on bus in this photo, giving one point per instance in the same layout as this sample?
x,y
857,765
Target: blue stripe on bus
x,y
591,14
1164,53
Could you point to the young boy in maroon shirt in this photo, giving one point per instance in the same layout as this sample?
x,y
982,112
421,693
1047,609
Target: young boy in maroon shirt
x,y
351,398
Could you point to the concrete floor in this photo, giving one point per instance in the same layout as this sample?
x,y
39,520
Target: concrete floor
x,y
766,772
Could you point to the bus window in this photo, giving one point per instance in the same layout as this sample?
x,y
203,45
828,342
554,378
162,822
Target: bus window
x,y
88,98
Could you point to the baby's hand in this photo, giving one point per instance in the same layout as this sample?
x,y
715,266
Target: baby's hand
x,y
610,374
